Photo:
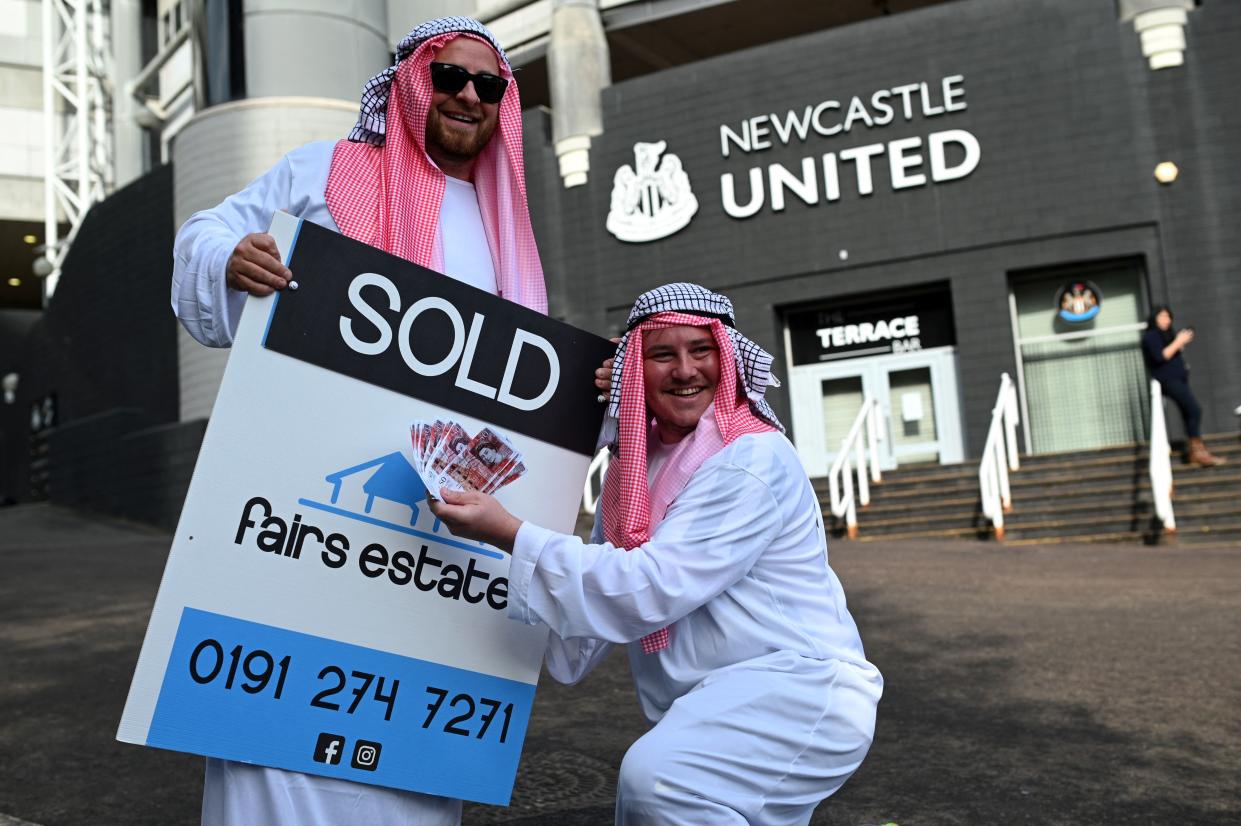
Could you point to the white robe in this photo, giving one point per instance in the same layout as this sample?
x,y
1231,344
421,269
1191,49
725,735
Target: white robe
x,y
237,794
202,300
200,297
764,702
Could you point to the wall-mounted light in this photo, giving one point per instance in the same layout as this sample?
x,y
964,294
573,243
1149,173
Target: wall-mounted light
x,y
1160,25
15,282
1166,172
9,383
31,239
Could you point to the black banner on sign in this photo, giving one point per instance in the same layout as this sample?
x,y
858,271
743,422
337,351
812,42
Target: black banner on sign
x,y
363,313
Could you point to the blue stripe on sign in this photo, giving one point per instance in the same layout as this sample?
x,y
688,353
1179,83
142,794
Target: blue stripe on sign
x,y
455,752
288,256
275,301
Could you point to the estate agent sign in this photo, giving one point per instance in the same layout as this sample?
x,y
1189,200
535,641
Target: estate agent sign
x,y
314,615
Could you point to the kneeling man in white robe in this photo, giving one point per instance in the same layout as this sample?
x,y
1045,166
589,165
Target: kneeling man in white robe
x,y
709,560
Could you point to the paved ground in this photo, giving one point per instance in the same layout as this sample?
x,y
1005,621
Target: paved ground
x,y
1057,685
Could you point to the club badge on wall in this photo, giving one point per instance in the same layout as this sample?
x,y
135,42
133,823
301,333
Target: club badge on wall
x,y
651,199
1078,301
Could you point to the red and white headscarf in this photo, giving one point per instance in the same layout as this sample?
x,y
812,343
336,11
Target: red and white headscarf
x,y
633,505
385,191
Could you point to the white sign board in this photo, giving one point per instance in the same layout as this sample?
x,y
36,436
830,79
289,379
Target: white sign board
x,y
314,615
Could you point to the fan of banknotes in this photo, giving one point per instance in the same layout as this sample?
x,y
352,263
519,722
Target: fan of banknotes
x,y
447,457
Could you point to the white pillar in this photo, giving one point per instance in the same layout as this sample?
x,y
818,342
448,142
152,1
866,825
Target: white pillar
x,y
314,48
128,137
1160,25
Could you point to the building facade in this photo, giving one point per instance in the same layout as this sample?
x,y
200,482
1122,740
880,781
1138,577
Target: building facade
x,y
21,155
905,200
910,206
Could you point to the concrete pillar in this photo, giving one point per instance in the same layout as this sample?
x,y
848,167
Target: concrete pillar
x,y
404,15
578,69
306,62
128,137
314,48
217,153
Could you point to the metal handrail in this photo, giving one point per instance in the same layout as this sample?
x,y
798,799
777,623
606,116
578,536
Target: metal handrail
x,y
1160,463
866,452
999,456
598,467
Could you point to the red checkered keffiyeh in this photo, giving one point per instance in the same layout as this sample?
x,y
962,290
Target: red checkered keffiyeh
x,y
631,508
384,190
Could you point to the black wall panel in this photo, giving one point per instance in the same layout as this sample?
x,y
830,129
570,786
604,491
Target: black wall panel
x,y
106,349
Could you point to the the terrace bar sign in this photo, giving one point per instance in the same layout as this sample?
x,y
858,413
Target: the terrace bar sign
x,y
911,161
895,325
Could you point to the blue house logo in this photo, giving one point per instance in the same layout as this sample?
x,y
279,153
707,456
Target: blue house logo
x,y
356,490
395,481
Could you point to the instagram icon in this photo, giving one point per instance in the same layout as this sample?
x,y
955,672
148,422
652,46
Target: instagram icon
x,y
366,755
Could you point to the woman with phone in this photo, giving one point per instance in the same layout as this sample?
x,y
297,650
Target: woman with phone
x,y
1162,345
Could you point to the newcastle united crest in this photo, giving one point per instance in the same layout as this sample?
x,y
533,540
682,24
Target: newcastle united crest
x,y
651,199
1078,301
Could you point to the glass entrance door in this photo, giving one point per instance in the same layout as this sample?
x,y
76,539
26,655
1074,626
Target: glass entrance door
x,y
1083,381
911,395
917,395
842,398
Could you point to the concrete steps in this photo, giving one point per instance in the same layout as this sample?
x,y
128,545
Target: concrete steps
x,y
1091,496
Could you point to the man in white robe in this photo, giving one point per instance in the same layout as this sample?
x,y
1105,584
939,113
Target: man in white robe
x,y
709,560
432,172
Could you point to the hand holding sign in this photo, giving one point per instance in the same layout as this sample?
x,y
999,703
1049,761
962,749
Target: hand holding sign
x,y
603,375
474,515
255,266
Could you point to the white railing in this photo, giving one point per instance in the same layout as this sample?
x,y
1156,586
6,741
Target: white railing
x,y
1160,463
999,456
860,447
592,489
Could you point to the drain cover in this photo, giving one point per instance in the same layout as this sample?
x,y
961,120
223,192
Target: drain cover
x,y
550,782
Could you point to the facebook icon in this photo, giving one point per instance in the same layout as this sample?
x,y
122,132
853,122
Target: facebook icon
x,y
329,748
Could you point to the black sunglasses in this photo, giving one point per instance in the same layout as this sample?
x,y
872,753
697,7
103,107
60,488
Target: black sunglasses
x,y
451,78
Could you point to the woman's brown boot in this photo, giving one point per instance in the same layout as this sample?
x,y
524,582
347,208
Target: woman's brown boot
x,y
1199,455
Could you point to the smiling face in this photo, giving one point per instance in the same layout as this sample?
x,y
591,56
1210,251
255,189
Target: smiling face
x,y
681,366
460,125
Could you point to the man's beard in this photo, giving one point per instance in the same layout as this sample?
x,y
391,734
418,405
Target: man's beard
x,y
455,144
